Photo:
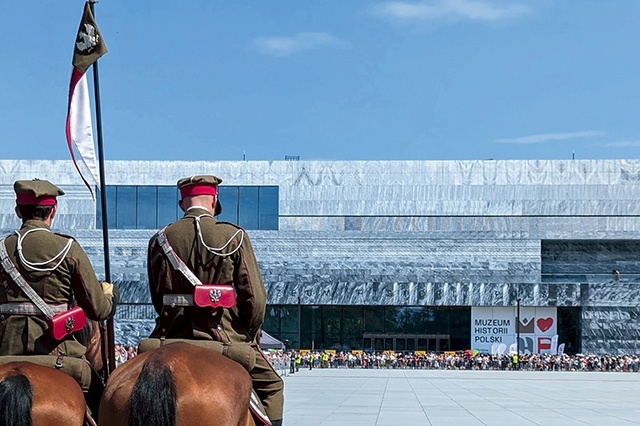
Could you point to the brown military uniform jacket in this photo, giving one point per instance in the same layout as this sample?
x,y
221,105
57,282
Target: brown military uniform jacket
x,y
73,279
239,269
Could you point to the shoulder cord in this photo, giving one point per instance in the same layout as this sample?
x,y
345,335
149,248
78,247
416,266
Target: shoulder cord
x,y
11,269
35,265
217,251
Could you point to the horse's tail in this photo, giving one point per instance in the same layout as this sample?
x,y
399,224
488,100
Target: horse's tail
x,y
16,394
153,399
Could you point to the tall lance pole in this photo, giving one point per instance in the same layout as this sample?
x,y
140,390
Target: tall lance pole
x,y
110,365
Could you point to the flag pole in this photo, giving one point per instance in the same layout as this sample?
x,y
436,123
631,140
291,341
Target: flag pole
x,y
110,365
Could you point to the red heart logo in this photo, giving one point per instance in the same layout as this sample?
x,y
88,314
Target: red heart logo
x,y
544,323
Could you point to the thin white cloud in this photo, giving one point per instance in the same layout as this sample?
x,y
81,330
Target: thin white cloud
x,y
620,144
546,137
474,10
285,46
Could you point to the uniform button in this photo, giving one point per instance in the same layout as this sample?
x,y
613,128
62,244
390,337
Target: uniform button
x,y
165,313
219,328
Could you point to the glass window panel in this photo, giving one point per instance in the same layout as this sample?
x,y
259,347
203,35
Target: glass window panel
x,y
411,345
306,341
422,345
268,207
460,326
417,318
272,320
126,207
378,344
111,207
569,328
248,207
394,319
98,209
443,345
353,342
438,320
168,209
432,345
352,321
228,196
374,319
331,321
368,345
147,207
388,344
401,345
311,319
460,344
289,319
290,340
332,342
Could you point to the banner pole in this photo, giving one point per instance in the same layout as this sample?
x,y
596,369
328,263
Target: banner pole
x,y
110,365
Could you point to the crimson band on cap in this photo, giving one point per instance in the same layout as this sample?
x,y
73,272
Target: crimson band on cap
x,y
30,199
198,189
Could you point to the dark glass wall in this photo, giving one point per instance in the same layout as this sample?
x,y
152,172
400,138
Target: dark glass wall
x,y
570,328
344,327
152,207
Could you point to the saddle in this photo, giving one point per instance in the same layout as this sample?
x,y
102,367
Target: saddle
x,y
77,368
241,353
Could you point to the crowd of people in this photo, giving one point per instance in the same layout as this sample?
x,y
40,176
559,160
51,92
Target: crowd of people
x,y
125,353
290,362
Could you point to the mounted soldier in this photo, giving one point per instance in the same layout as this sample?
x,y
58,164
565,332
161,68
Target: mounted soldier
x,y
48,289
206,285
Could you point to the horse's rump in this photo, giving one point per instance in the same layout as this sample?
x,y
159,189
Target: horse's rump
x,y
41,395
210,389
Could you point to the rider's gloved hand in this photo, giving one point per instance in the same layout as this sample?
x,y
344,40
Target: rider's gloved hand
x,y
111,290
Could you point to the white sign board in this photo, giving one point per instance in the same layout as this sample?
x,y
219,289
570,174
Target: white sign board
x,y
492,327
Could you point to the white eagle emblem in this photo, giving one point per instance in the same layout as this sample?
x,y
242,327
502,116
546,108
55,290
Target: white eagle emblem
x,y
88,38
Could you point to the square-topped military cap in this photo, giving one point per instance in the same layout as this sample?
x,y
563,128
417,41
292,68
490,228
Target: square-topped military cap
x,y
199,185
36,192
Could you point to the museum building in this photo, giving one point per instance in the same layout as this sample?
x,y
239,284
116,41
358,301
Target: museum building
x,y
391,255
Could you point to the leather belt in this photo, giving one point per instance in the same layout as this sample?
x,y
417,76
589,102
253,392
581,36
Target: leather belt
x,y
27,308
174,300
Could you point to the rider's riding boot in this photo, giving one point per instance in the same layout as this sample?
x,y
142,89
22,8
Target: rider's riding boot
x,y
93,395
276,422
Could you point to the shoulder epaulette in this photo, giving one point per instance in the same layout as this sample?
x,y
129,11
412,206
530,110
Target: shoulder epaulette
x,y
66,236
229,223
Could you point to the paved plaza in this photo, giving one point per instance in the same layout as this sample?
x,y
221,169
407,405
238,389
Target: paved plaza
x,y
354,397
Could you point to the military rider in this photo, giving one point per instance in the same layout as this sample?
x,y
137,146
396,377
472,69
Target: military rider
x,y
57,268
216,252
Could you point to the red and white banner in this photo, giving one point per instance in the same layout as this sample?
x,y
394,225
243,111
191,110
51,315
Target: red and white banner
x,y
89,47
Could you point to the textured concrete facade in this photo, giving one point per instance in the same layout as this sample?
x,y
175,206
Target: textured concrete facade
x,y
436,233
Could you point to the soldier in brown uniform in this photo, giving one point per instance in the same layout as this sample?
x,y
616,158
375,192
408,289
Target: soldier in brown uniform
x,y
216,252
59,271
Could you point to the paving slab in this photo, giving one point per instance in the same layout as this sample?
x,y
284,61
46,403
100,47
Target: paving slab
x,y
353,397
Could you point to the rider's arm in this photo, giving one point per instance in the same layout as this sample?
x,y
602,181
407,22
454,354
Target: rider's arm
x,y
88,291
252,296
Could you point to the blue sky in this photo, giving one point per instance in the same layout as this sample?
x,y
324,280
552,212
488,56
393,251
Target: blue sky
x,y
334,80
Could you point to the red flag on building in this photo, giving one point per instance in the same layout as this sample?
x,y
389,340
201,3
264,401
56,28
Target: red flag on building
x,y
89,47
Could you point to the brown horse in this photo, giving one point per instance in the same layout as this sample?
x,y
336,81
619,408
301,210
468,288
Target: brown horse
x,y
177,384
31,394
36,395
